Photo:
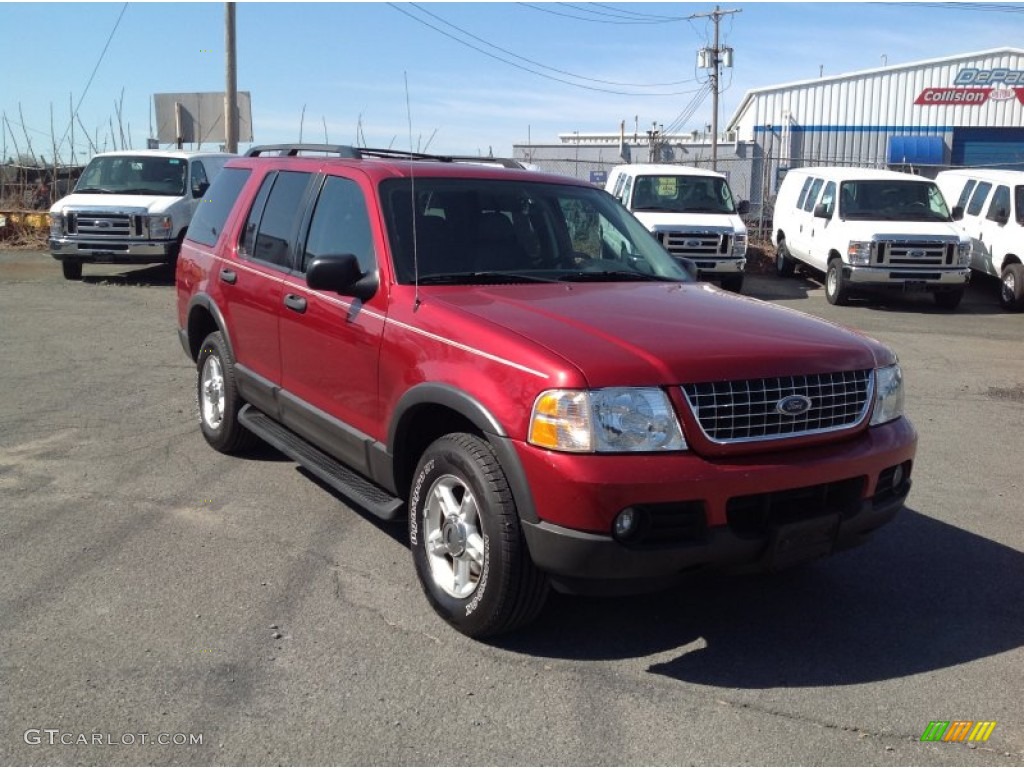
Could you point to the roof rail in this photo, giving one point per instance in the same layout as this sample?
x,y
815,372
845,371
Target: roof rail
x,y
356,153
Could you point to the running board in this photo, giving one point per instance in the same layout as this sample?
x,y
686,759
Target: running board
x,y
354,487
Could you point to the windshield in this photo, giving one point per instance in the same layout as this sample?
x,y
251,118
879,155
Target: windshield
x,y
134,175
892,200
681,194
510,230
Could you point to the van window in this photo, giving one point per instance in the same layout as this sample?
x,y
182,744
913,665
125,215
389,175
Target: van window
x,y
803,192
828,198
892,200
1000,207
682,194
1018,203
813,195
627,187
965,195
978,199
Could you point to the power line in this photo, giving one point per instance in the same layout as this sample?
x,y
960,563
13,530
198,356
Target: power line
x,y
637,14
544,66
527,69
591,19
982,7
617,13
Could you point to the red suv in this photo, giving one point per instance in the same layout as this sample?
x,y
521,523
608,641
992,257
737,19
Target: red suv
x,y
512,359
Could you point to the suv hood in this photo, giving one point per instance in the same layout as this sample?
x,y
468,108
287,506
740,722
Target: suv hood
x,y
661,334
92,202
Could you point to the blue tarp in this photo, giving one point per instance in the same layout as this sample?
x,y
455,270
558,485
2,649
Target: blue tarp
x,y
916,150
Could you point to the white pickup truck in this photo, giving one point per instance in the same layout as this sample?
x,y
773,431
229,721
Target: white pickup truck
x,y
130,207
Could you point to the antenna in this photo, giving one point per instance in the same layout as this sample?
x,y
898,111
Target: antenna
x,y
412,207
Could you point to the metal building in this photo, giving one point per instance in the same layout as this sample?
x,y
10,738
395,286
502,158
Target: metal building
x,y
964,110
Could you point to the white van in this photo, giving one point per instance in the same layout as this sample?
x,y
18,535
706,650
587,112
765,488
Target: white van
x,y
691,211
130,207
865,227
989,207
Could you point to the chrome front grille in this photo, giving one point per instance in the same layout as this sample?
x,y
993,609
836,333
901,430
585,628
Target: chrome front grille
x,y
751,410
697,244
94,224
916,253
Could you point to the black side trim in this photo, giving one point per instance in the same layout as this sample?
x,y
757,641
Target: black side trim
x,y
357,489
347,445
261,392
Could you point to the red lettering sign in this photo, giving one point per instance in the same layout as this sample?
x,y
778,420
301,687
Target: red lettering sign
x,y
945,97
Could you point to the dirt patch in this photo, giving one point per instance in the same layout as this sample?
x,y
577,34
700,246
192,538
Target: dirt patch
x,y
761,258
1013,394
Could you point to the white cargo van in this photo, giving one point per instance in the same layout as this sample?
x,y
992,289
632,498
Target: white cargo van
x,y
989,207
870,228
130,207
691,211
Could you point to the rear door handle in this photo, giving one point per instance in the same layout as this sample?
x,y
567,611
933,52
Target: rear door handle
x,y
228,276
295,303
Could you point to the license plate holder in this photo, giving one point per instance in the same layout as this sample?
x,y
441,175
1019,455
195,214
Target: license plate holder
x,y
914,286
796,543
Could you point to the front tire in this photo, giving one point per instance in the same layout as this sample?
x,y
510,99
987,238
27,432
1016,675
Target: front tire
x,y
1011,290
72,269
784,264
467,546
218,399
837,290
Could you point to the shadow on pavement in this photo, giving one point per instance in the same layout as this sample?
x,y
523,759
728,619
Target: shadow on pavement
x,y
157,275
922,596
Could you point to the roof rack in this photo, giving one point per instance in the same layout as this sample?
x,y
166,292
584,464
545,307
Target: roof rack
x,y
357,153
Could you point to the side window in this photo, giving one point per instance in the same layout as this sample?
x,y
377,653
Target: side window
x,y
803,192
200,182
999,209
340,224
617,189
275,225
965,194
978,198
212,212
813,195
627,189
1018,203
828,198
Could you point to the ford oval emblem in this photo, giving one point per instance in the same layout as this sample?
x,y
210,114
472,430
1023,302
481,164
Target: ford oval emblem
x,y
103,224
794,405
693,243
917,254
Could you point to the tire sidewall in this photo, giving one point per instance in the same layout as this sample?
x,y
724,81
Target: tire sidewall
x,y
213,346
833,282
475,614
1013,302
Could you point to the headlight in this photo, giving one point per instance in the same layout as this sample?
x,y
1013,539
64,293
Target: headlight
x,y
613,420
859,253
56,225
160,227
888,395
739,246
964,252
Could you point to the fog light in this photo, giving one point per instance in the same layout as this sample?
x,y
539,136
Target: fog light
x,y
626,523
897,476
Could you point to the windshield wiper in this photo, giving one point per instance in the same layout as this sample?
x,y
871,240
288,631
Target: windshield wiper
x,y
476,278
612,276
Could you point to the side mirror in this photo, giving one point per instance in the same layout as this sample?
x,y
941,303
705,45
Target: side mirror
x,y
340,273
689,266
821,211
743,207
957,213
200,189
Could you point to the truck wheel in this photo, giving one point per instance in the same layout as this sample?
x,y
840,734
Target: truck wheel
x,y
1011,293
218,398
784,264
72,269
468,549
733,283
836,289
949,299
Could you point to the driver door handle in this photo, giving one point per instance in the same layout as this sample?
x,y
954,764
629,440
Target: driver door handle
x,y
295,303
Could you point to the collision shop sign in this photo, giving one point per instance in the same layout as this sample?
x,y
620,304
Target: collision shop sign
x,y
967,97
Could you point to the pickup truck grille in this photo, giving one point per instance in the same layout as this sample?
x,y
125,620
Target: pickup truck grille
x,y
697,244
916,253
751,410
104,224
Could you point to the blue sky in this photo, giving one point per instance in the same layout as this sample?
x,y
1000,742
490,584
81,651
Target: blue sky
x,y
348,62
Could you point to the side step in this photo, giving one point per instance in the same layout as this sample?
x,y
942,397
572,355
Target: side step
x,y
354,487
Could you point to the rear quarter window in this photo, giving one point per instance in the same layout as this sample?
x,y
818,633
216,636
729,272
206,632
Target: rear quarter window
x,y
978,198
213,210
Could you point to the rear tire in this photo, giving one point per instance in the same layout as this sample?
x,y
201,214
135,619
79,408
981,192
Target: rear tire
x,y
949,299
733,283
467,546
218,399
784,264
72,269
1011,292
837,290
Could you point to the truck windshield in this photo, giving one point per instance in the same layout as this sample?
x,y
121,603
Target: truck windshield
x,y
682,194
134,175
472,230
891,200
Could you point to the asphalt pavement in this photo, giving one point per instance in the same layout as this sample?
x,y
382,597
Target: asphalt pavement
x,y
163,604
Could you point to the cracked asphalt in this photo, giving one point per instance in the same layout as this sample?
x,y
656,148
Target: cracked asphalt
x,y
152,586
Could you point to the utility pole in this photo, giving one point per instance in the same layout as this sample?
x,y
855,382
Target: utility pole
x,y
710,58
231,91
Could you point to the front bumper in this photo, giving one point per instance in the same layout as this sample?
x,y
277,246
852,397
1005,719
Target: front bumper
x,y
901,278
724,266
112,252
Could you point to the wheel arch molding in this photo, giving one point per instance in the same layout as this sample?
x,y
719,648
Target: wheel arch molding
x,y
197,328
